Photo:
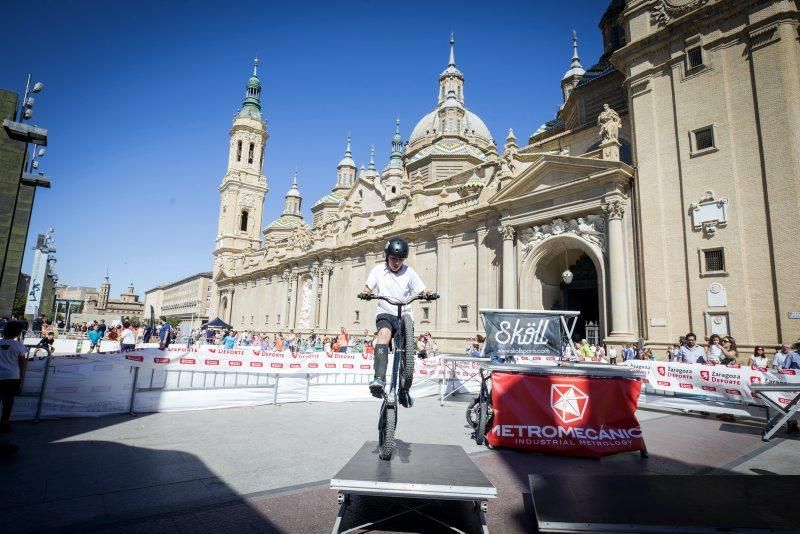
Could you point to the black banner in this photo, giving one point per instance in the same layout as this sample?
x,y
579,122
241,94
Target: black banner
x,y
511,333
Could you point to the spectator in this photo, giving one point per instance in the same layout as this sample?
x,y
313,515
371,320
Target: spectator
x,y
780,356
12,370
422,344
230,340
612,355
113,334
279,343
601,352
94,338
164,333
568,354
759,357
327,346
47,342
729,352
3,322
38,323
291,341
102,327
343,340
714,350
689,351
792,360
648,354
585,351
628,353
128,337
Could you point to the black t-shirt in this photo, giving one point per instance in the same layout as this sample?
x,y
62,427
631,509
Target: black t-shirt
x,y
46,343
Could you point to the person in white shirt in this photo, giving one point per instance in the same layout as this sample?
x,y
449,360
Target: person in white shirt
x,y
758,359
128,339
12,369
780,356
396,280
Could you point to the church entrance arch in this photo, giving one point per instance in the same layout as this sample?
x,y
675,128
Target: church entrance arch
x,y
542,286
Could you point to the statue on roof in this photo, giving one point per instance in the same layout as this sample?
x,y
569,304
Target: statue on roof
x,y
609,123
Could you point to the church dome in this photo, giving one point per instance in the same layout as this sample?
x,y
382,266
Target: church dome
x,y
430,122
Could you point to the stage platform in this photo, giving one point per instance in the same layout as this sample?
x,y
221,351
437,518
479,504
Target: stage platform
x,y
663,503
417,484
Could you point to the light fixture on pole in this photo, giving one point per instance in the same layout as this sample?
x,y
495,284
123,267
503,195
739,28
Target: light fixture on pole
x,y
567,275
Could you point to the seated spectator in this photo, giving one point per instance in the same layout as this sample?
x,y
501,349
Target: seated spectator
x,y
759,357
46,343
690,351
729,353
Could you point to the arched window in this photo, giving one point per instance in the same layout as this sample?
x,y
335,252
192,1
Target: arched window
x,y
251,152
243,223
394,189
239,150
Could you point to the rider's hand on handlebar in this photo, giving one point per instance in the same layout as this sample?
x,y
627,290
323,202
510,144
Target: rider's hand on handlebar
x,y
427,295
365,296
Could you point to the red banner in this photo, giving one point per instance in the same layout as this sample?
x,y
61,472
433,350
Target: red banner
x,y
567,415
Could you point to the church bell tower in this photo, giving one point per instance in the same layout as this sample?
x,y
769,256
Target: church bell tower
x,y
244,185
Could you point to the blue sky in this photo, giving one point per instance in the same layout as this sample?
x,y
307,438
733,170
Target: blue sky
x,y
139,98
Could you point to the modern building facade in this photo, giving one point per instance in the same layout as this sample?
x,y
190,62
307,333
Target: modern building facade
x,y
654,203
188,299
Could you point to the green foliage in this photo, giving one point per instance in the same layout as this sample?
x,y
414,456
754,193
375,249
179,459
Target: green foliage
x,y
19,305
135,321
173,321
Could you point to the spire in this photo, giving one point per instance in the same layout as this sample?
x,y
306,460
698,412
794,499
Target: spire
x,y
576,61
372,157
452,62
252,101
293,198
396,158
575,68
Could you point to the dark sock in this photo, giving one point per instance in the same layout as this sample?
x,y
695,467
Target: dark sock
x,y
381,360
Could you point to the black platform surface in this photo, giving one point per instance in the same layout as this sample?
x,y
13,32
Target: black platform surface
x,y
665,503
417,470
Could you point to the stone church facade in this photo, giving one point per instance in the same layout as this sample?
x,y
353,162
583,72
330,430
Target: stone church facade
x,y
655,202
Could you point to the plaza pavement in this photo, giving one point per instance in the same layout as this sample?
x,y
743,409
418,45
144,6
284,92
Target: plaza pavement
x,y
267,468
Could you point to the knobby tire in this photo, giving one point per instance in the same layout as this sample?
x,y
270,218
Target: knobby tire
x,y
483,421
410,347
389,421
473,412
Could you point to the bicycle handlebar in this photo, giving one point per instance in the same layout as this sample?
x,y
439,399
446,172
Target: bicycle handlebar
x,y
370,296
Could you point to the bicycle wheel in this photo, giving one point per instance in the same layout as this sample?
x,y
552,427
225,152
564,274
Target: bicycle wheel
x,y
473,410
386,428
410,346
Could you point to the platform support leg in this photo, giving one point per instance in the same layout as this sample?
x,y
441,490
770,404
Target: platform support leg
x,y
482,507
342,499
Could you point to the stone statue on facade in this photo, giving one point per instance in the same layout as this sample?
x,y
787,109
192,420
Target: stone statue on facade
x,y
308,300
610,124
590,228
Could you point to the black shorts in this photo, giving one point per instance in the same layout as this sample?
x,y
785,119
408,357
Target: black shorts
x,y
386,320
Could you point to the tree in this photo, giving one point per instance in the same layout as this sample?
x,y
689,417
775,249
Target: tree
x,y
18,309
173,321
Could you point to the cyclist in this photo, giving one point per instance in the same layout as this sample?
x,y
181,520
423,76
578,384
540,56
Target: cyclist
x,y
399,281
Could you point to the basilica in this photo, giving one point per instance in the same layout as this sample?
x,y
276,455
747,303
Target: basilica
x,y
654,203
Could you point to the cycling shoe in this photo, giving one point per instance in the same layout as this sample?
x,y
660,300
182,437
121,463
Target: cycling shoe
x,y
405,398
376,387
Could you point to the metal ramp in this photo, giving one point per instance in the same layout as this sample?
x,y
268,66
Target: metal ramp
x,y
663,503
423,488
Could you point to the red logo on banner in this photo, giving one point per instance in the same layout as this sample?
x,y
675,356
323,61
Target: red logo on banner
x,y
365,366
568,402
212,349
709,388
135,358
755,379
663,383
686,386
188,361
330,366
732,392
212,362
256,353
784,400
256,364
786,371
234,363
294,365
313,365
705,375
160,360
661,370
348,365
276,365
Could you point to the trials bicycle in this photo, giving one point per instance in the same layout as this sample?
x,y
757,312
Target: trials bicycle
x,y
404,347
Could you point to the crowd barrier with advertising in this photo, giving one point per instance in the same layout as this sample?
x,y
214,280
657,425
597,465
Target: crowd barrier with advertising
x,y
204,377
712,388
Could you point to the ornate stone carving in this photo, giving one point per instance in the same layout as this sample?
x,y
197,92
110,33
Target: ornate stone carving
x,y
247,200
664,11
590,228
308,301
301,238
508,232
614,209
709,214
609,123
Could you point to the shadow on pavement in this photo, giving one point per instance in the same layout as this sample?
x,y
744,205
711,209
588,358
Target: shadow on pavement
x,y
58,482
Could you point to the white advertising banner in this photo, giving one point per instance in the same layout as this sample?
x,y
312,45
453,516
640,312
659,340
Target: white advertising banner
x,y
34,300
719,382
